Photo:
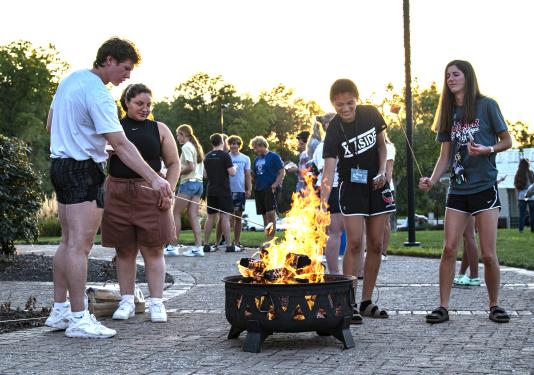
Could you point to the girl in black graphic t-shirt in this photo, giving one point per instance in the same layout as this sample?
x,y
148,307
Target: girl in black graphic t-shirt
x,y
355,138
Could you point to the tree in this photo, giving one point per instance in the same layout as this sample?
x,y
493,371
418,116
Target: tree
x,y
20,194
29,77
521,134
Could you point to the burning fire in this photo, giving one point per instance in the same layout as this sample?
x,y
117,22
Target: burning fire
x,y
297,258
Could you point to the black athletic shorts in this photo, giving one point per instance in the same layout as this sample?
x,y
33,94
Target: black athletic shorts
x,y
222,203
265,201
239,201
361,199
78,181
333,201
474,203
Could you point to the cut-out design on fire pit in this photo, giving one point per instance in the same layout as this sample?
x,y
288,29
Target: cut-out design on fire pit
x,y
261,309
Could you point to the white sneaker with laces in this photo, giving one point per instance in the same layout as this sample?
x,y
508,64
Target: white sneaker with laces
x,y
158,314
195,251
124,311
171,251
88,327
59,318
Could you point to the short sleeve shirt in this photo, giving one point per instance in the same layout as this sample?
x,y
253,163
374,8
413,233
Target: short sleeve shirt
x,y
83,110
237,182
390,155
266,169
189,154
354,144
217,163
480,171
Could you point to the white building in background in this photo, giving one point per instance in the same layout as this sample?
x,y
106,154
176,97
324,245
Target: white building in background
x,y
507,163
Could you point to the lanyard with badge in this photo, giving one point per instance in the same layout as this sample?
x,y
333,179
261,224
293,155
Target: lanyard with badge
x,y
357,175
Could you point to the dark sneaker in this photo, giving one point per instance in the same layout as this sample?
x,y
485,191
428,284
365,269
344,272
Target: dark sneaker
x,y
232,249
207,248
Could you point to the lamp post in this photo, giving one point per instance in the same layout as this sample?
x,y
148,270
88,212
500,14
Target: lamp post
x,y
223,106
409,124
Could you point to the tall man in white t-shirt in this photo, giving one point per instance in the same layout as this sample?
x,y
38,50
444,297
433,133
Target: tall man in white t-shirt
x,y
82,119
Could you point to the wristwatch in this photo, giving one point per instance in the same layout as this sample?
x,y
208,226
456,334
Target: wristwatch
x,y
492,150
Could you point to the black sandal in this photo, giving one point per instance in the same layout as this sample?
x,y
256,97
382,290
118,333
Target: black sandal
x,y
356,316
438,315
498,315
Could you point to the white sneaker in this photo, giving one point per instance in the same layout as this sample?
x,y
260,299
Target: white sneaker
x,y
88,327
158,314
171,251
384,257
59,318
124,311
195,251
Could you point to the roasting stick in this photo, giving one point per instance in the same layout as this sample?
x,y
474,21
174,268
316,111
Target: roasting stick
x,y
268,229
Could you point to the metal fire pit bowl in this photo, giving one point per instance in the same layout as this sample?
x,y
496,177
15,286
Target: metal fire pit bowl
x,y
261,309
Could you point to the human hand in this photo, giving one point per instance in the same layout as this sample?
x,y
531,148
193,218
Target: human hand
x,y
425,184
379,181
161,185
475,149
164,203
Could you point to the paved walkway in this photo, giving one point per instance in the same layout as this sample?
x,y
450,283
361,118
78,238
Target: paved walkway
x,y
194,341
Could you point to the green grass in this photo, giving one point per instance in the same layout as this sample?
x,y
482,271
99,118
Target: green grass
x,y
513,249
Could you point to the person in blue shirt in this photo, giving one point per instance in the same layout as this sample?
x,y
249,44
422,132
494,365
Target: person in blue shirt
x,y
471,130
268,172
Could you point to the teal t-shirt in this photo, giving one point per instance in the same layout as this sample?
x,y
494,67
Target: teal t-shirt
x,y
480,171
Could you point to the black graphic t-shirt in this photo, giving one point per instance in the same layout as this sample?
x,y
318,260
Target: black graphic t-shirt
x,y
354,144
480,171
216,163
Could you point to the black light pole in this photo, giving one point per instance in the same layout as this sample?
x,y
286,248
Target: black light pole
x,y
409,125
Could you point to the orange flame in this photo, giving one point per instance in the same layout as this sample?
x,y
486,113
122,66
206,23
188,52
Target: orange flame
x,y
305,235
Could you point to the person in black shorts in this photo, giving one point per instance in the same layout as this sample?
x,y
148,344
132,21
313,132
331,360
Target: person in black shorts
x,y
218,168
355,138
471,130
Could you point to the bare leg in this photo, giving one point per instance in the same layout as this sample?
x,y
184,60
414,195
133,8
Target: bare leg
x,y
208,227
79,225
361,257
332,244
59,276
387,235
486,223
455,223
375,234
192,211
179,207
270,217
127,268
219,232
224,220
470,248
354,233
237,225
154,269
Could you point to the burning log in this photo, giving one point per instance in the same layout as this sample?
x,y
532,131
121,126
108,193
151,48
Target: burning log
x,y
297,261
252,264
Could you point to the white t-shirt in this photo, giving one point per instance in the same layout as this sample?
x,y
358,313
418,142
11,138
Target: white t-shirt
x,y
189,153
390,155
319,163
83,110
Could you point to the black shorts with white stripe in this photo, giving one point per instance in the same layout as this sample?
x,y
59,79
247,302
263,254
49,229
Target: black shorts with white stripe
x,y
474,203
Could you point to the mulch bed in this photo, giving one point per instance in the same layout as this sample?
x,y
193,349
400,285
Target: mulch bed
x,y
33,267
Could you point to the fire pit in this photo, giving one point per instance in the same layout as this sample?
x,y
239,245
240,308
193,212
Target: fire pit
x,y
261,309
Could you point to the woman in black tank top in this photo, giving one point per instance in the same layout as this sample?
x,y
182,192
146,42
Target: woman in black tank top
x,y
136,217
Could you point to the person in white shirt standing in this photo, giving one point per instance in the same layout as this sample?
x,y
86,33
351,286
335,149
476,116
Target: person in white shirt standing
x,y
82,119
391,223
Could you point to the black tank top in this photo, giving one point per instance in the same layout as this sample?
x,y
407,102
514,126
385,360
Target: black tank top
x,y
145,136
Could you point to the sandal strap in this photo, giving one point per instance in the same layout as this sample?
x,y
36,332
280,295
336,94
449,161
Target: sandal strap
x,y
442,311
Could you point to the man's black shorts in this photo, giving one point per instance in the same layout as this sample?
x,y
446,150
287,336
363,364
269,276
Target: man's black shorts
x,y
361,199
474,203
265,201
78,181
222,203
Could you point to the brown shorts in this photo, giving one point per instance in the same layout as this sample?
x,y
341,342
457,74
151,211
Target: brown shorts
x,y
131,215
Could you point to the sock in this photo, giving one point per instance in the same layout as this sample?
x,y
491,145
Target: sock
x,y
364,304
61,305
78,314
156,301
127,298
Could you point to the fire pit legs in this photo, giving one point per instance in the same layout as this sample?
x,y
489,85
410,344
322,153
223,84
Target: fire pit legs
x,y
234,332
255,337
342,333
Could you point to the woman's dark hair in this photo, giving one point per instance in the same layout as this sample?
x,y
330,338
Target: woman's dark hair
x,y
343,85
131,91
119,49
524,175
303,136
444,114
